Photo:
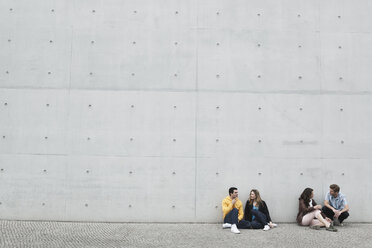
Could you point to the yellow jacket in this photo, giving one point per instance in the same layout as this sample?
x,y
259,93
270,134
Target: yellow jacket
x,y
227,206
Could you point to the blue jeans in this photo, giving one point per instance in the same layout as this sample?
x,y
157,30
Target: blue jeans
x,y
259,221
232,218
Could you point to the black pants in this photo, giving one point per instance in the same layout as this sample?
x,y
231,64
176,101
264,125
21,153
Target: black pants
x,y
329,213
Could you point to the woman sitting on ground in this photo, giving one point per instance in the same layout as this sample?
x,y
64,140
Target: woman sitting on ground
x,y
310,214
257,213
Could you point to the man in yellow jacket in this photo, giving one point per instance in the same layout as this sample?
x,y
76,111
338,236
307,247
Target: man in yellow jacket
x,y
233,212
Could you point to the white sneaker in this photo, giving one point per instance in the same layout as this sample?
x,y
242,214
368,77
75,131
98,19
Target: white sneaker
x,y
226,225
234,229
266,228
273,225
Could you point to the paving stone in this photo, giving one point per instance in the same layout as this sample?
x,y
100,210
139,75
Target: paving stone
x,y
75,234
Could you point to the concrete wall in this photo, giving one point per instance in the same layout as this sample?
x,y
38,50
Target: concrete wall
x,y
144,110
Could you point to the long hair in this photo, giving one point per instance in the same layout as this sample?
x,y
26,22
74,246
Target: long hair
x,y
258,197
306,196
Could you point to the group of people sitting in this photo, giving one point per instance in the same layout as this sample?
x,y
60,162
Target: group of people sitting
x,y
256,213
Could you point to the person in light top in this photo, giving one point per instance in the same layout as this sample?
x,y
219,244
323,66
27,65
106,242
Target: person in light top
x,y
335,205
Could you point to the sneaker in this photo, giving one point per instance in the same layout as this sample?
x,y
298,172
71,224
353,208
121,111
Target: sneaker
x,y
226,225
336,222
234,229
266,228
273,225
315,227
331,228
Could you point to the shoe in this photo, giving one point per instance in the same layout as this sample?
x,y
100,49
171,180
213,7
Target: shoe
x,y
315,227
331,228
234,229
336,222
226,225
273,225
266,228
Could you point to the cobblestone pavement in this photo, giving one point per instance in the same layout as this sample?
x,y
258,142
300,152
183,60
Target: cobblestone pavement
x,y
74,234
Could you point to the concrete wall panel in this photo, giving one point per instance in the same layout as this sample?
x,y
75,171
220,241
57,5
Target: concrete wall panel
x,y
117,123
126,59
256,60
34,61
242,124
345,63
347,133
33,186
34,122
344,17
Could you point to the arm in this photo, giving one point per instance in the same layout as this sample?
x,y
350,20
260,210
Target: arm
x,y
326,203
316,206
305,209
339,212
265,210
226,206
241,211
346,208
247,210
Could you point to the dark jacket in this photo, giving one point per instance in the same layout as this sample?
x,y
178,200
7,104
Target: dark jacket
x,y
304,209
262,207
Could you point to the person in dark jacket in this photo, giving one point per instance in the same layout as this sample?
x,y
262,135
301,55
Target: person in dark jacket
x,y
255,203
310,214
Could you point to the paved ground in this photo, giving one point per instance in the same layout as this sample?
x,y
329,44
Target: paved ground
x,y
71,234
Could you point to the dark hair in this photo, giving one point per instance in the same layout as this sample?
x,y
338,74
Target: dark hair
x,y
335,187
231,190
306,196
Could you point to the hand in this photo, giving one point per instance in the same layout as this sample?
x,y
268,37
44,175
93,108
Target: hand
x,y
318,207
233,201
328,219
337,213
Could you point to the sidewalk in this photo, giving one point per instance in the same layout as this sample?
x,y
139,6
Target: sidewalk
x,y
74,234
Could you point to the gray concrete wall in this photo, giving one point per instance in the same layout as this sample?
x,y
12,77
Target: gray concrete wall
x,y
150,110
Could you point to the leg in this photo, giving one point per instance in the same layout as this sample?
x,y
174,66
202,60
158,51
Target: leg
x,y
256,225
308,218
232,217
244,224
328,212
260,217
343,216
316,222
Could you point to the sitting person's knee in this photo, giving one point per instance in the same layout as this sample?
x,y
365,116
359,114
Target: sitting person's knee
x,y
317,213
